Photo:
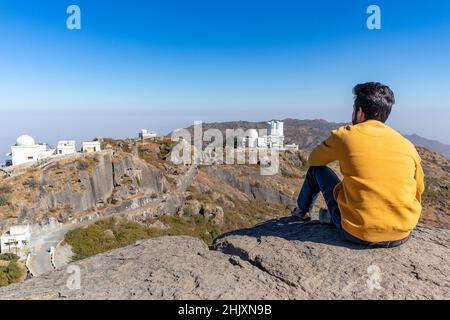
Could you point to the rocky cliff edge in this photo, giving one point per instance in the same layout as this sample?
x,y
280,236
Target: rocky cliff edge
x,y
279,259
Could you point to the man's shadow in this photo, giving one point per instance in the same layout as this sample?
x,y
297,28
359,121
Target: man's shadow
x,y
290,229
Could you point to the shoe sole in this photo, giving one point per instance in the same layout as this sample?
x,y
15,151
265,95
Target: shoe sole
x,y
303,219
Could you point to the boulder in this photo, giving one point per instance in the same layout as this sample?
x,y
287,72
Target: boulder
x,y
213,212
317,263
191,208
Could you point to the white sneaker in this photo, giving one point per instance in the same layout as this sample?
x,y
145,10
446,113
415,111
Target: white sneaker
x,y
299,215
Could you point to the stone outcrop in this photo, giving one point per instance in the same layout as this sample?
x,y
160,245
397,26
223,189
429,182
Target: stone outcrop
x,y
163,268
255,187
279,259
95,188
70,188
317,263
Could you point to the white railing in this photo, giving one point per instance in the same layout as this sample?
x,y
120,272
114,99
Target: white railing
x,y
27,265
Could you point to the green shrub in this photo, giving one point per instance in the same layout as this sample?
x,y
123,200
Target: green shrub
x,y
9,257
97,238
10,273
188,211
94,239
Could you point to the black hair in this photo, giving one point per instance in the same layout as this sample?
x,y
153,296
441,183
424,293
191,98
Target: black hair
x,y
375,100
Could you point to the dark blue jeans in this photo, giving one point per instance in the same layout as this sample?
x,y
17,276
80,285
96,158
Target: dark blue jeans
x,y
323,179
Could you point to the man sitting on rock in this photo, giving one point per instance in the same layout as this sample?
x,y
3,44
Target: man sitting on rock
x,y
378,202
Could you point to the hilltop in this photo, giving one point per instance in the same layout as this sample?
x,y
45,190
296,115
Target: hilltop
x,y
279,259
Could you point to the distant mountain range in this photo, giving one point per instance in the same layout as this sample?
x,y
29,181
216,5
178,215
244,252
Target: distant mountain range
x,y
309,133
433,145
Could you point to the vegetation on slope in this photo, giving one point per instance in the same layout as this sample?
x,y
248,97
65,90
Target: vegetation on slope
x,y
114,233
10,270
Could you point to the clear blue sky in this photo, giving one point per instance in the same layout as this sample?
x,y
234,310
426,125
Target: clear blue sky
x,y
163,64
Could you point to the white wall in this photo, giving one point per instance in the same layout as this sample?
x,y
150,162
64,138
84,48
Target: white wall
x,y
24,154
275,128
65,150
280,128
66,147
147,135
91,146
22,240
19,229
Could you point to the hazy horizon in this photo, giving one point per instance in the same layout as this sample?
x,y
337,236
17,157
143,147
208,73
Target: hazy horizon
x,y
162,65
116,126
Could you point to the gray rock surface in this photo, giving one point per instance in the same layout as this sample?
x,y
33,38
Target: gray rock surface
x,y
163,268
119,177
317,263
279,259
255,188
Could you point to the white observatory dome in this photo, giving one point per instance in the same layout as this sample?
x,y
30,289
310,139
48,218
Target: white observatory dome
x,y
25,140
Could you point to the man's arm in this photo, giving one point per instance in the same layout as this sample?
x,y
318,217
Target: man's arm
x,y
326,152
419,177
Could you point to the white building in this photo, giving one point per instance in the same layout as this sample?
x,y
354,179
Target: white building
x,y
15,239
273,139
262,142
292,146
91,146
275,134
26,150
250,140
145,134
66,147
275,128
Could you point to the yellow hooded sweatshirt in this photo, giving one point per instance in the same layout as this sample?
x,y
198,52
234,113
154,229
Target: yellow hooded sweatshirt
x,y
380,195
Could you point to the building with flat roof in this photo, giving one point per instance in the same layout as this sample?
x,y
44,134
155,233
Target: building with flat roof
x,y
275,134
91,146
15,239
145,134
291,146
273,139
66,147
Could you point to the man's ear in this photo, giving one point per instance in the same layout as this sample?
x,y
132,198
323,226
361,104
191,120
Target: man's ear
x,y
360,115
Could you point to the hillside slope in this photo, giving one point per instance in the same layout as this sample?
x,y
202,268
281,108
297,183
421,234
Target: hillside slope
x,y
433,145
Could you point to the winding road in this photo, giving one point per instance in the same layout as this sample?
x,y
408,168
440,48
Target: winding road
x,y
40,261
